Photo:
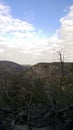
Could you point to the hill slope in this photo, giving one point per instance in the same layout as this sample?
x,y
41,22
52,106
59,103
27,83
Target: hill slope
x,y
44,89
43,80
11,67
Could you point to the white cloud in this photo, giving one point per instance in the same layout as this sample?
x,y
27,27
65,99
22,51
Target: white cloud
x,y
22,43
4,9
18,38
66,33
62,40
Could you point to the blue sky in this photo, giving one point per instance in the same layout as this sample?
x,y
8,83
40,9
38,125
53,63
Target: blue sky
x,y
34,31
44,14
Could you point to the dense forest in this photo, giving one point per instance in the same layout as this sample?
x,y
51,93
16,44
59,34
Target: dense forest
x,y
38,96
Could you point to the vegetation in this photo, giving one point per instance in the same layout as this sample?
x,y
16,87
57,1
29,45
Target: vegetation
x,y
38,96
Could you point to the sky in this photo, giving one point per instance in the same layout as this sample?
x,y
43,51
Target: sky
x,y
33,31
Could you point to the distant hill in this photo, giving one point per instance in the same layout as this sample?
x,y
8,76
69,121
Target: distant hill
x,y
11,67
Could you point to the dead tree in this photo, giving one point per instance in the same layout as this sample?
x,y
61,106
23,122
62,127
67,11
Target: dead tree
x,y
61,70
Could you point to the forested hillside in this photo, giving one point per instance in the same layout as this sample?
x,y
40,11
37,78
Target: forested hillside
x,y
42,93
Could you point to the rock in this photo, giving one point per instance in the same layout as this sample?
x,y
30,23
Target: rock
x,y
44,128
24,127
20,127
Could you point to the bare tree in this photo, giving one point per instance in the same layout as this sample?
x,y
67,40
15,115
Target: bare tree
x,y
61,58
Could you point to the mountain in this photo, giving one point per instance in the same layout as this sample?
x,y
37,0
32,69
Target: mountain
x,y
50,71
11,67
45,81
42,91
52,79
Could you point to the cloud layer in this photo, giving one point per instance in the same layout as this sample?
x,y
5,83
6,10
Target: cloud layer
x,y
21,42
